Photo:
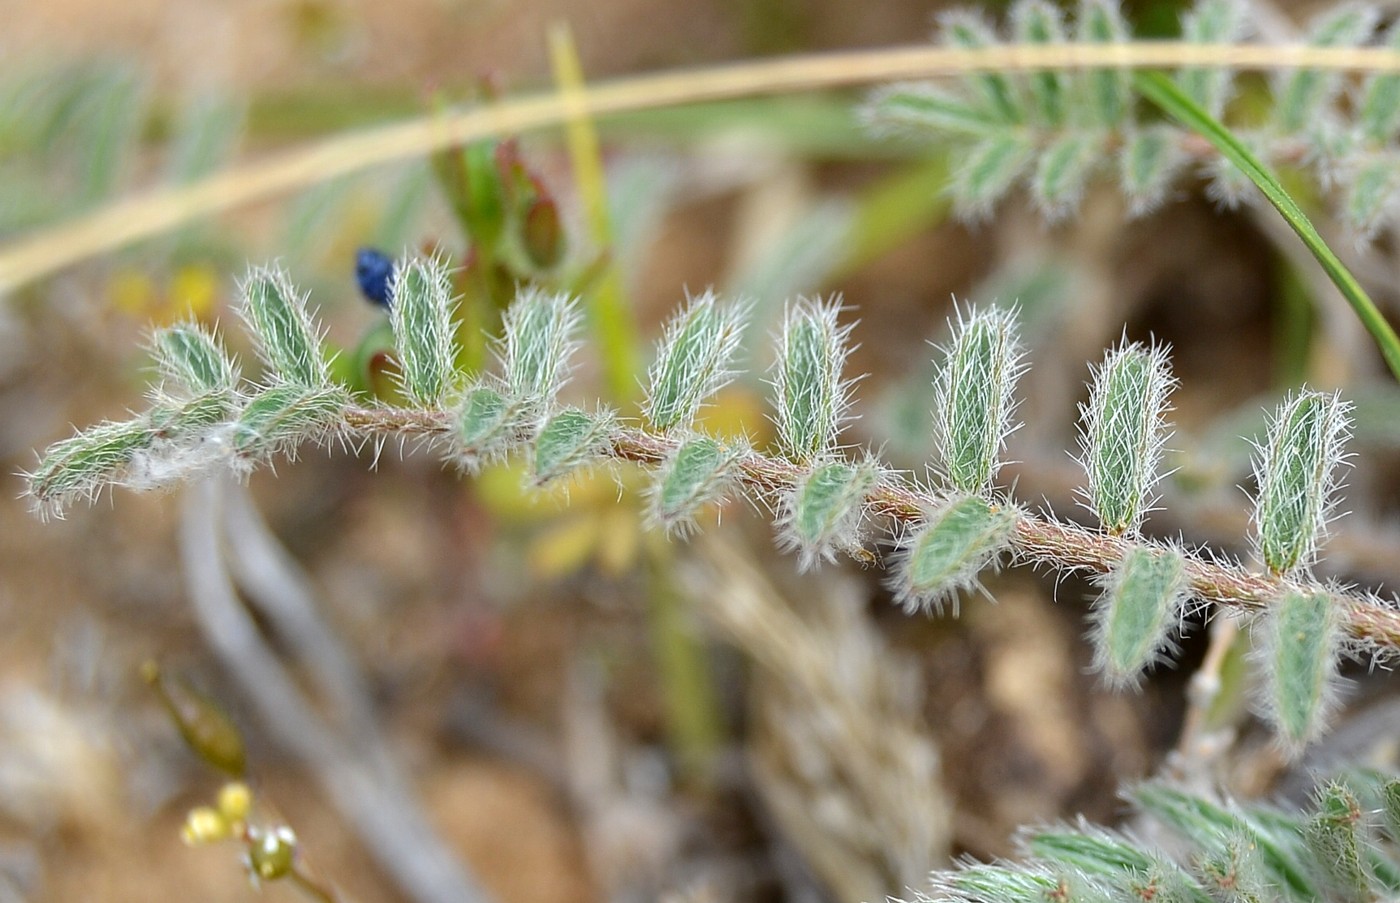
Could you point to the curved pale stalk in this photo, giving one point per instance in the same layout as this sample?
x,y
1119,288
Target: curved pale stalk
x,y
162,209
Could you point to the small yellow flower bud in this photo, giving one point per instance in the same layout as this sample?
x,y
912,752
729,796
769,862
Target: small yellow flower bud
x,y
204,825
273,853
235,801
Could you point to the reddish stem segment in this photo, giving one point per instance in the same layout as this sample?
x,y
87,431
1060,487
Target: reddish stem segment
x,y
1037,539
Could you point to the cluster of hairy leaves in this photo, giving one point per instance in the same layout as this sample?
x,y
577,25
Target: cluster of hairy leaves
x,y
1344,847
1054,132
826,501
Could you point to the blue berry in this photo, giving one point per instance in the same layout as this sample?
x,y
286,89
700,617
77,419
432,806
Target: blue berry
x,y
374,270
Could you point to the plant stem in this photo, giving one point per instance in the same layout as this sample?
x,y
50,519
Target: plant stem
x,y
1201,696
1037,539
123,222
607,308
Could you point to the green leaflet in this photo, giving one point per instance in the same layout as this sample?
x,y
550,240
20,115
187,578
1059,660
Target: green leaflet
x,y
283,417
999,883
1039,22
988,171
825,510
998,97
1301,93
1142,601
420,312
568,440
1335,837
483,416
540,330
959,541
1063,169
811,397
191,419
1371,192
1296,475
975,389
1299,655
190,357
1122,430
1148,163
1194,818
1107,93
1379,115
79,467
1211,22
1109,857
919,108
698,473
693,361
278,319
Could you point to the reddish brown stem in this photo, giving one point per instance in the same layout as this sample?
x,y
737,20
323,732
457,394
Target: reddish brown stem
x,y
1037,539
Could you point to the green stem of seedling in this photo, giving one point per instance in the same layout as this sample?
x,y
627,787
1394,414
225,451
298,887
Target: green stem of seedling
x,y
1159,88
477,315
607,305
692,712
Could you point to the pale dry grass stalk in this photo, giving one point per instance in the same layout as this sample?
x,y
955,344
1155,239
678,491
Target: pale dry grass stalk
x,y
161,209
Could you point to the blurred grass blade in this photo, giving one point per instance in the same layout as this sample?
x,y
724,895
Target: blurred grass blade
x,y
1162,91
608,311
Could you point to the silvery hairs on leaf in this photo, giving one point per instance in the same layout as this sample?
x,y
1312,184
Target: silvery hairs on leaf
x,y
540,337
569,440
1142,602
1380,99
824,513
488,422
1338,840
190,357
1106,94
288,340
1038,22
988,170
1297,644
969,31
421,314
700,471
1148,163
1123,431
281,418
1063,170
1301,94
693,360
944,557
975,396
79,468
812,398
1212,22
1101,858
1296,470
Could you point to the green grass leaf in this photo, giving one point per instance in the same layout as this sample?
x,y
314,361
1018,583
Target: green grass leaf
x,y
1166,94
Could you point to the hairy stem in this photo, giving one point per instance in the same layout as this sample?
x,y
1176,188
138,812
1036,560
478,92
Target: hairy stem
x,y
1036,539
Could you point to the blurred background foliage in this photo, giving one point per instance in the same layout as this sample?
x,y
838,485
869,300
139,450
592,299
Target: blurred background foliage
x,y
587,710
